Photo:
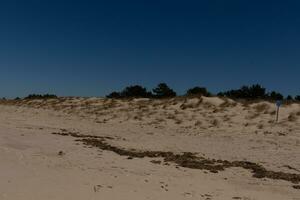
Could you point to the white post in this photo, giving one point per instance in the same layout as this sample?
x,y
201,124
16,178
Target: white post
x,y
277,114
278,104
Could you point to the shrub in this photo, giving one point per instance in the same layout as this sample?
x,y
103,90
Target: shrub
x,y
275,96
292,117
221,94
246,92
297,98
163,91
261,108
39,96
136,91
289,98
201,91
252,92
114,95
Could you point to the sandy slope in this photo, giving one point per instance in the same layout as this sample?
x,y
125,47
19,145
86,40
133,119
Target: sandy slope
x,y
31,167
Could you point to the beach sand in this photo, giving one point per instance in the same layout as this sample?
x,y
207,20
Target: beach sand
x,y
182,148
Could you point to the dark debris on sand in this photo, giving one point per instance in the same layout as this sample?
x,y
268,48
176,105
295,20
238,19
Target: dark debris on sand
x,y
186,159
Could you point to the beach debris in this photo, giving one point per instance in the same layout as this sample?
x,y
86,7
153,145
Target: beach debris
x,y
61,153
297,187
187,159
97,188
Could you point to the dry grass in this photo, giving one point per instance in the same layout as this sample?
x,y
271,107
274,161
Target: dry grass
x,y
260,126
226,118
292,117
214,122
158,121
192,111
178,121
171,116
208,105
227,103
260,108
252,116
187,105
216,110
138,117
198,123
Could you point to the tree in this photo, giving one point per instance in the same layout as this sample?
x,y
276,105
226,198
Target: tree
x,y
163,91
257,91
114,95
201,91
39,96
221,94
275,96
289,98
246,92
297,98
136,91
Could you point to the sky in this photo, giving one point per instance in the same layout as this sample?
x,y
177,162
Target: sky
x,y
90,48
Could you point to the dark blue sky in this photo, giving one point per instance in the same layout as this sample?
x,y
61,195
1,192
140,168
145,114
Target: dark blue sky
x,y
90,48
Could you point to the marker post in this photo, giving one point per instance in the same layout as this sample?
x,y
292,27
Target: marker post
x,y
278,104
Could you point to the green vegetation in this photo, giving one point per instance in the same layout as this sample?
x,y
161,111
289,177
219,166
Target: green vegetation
x,y
137,91
163,91
198,91
39,96
252,92
246,92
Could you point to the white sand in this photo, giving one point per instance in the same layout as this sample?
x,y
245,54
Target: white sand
x,y
31,169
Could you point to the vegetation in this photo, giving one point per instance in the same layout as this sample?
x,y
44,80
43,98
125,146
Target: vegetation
x,y
163,91
275,96
246,92
252,92
114,95
135,91
39,96
289,98
198,91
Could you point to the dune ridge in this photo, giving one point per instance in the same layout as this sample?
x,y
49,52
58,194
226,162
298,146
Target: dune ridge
x,y
149,149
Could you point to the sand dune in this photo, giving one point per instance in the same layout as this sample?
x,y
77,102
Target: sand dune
x,y
181,148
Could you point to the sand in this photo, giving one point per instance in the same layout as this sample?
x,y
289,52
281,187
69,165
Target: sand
x,y
43,155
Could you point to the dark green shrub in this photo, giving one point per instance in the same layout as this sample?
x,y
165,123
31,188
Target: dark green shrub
x,y
114,95
163,91
136,91
198,91
246,92
289,98
221,94
275,96
39,96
